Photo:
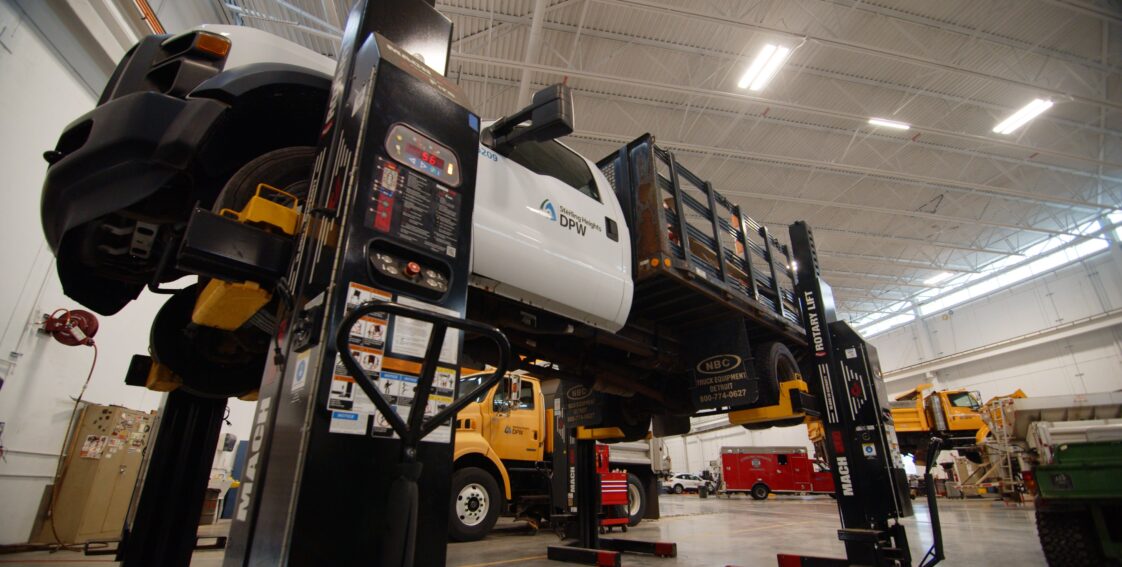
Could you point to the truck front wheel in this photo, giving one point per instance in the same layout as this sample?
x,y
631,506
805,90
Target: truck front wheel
x,y
636,500
760,492
1069,538
475,504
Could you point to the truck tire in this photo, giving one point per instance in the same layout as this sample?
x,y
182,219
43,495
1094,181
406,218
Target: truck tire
x,y
760,492
636,500
623,413
287,169
774,364
475,504
1069,538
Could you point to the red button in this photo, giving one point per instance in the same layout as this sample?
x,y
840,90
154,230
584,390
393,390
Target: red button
x,y
412,269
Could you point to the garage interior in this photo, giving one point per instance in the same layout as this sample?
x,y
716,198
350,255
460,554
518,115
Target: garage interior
x,y
959,162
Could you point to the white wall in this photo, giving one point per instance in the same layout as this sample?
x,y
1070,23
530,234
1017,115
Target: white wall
x,y
1059,333
39,95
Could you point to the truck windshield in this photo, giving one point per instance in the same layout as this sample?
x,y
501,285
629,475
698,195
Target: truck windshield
x,y
470,383
963,400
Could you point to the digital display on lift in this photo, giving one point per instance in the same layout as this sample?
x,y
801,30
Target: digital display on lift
x,y
417,151
424,156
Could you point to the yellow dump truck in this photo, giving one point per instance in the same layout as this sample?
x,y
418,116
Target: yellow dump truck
x,y
511,459
953,415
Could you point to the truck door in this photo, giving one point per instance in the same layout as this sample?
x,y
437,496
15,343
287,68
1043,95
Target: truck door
x,y
517,435
800,473
549,231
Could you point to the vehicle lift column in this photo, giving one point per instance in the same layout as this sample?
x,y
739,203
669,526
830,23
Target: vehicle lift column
x,y
576,448
861,448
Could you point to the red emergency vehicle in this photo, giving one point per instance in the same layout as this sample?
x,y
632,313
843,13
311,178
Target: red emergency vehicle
x,y
760,471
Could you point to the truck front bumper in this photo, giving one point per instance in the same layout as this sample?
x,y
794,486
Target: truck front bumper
x,y
119,154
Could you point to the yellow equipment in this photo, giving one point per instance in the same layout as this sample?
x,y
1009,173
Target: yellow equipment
x,y
953,415
788,411
228,305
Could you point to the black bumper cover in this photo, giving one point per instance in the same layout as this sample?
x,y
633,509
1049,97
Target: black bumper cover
x,y
119,154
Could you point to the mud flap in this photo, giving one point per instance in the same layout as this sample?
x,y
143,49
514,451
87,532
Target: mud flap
x,y
721,365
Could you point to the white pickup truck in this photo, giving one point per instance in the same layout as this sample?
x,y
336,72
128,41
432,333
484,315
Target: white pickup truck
x,y
619,272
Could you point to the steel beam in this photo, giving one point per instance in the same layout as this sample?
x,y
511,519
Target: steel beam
x,y
972,33
737,57
862,171
859,48
694,91
911,263
533,46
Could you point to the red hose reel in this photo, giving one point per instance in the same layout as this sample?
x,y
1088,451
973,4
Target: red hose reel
x,y
71,327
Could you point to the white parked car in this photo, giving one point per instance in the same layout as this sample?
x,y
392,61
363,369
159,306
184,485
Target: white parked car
x,y
684,482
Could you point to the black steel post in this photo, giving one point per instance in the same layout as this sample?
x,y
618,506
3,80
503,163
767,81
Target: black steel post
x,y
164,528
588,495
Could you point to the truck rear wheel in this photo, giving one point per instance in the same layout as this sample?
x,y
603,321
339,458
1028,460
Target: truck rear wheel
x,y
475,504
1068,538
760,492
774,364
636,500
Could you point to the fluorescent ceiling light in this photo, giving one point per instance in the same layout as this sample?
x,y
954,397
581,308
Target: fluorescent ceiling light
x,y
889,123
1022,116
764,67
937,278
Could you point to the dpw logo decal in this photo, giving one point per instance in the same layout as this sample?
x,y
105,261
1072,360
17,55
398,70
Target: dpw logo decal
x,y
547,208
568,218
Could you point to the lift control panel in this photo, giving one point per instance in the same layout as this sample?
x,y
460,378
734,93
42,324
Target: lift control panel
x,y
386,234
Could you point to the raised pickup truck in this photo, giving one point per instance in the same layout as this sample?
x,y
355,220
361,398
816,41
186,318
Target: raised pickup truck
x,y
630,275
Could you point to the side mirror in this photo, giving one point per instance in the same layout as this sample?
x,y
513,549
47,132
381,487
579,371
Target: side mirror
x,y
550,114
515,392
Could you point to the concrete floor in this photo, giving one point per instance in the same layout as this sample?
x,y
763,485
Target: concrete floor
x,y
739,531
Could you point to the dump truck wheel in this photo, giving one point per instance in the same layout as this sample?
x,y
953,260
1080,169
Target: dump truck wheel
x,y
475,504
760,492
1068,538
287,169
636,500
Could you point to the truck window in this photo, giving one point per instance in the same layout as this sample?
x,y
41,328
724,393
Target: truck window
x,y
552,159
470,383
526,396
963,400
782,459
500,394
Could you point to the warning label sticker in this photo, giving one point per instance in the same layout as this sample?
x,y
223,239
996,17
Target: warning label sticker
x,y
392,372
411,337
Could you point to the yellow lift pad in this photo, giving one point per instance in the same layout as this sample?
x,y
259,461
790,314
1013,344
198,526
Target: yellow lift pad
x,y
228,305
781,411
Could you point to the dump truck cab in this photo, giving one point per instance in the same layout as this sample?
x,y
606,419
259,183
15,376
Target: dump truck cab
x,y
954,415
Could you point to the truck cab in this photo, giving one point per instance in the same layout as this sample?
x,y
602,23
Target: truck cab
x,y
954,415
549,232
504,460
